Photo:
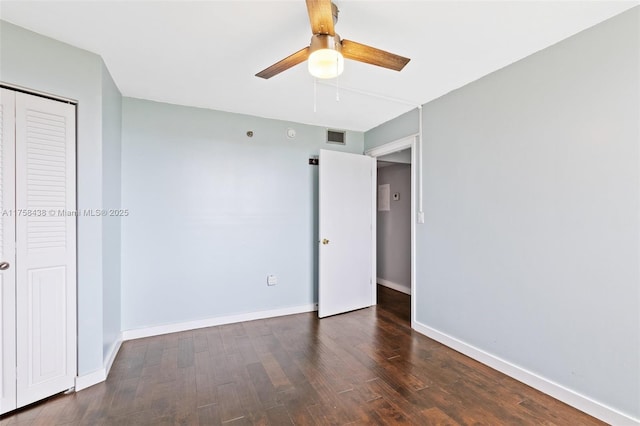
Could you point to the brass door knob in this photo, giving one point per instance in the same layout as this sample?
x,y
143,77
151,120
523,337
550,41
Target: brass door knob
x,y
325,241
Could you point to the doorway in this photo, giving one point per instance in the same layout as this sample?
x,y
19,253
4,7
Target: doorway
x,y
347,272
394,242
393,229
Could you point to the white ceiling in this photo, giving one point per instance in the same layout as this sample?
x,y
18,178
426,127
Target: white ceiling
x,y
205,53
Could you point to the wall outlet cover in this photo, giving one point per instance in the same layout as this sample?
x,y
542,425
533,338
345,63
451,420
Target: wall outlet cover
x,y
272,280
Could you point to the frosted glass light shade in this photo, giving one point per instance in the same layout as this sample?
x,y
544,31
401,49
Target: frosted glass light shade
x,y
326,63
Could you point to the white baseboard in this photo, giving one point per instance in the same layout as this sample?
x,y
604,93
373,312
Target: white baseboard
x,y
568,396
210,322
113,352
98,376
394,286
88,380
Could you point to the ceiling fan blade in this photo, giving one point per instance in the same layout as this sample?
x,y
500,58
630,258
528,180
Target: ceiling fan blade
x,y
371,55
283,65
320,16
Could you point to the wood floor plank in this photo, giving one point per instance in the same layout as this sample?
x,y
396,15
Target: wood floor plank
x,y
266,343
168,365
186,396
209,415
214,339
153,355
145,387
200,340
278,415
205,385
186,352
228,333
257,328
360,368
162,399
399,401
246,349
123,401
296,400
385,413
435,417
286,362
99,399
262,386
51,410
274,370
230,406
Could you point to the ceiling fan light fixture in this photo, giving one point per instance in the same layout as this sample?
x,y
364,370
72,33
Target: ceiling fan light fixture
x,y
326,63
325,60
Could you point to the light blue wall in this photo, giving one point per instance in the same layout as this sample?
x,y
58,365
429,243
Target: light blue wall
x,y
111,227
214,211
398,128
531,188
39,63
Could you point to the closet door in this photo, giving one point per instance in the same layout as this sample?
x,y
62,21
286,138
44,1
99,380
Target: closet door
x,y
45,247
7,253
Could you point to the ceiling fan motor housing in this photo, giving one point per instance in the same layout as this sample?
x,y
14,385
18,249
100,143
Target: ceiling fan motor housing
x,y
325,41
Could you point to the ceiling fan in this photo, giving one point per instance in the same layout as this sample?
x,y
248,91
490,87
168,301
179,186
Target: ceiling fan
x,y
327,51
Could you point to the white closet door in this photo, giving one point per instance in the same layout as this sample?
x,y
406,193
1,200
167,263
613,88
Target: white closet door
x,y
7,253
46,247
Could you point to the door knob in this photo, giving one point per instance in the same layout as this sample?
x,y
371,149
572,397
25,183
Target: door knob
x,y
325,241
4,266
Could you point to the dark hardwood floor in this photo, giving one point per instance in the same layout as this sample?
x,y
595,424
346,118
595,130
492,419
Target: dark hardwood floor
x,y
364,367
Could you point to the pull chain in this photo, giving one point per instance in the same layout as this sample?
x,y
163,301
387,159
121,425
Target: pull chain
x,y
337,80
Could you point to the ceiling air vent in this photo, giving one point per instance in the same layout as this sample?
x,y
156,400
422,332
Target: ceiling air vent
x,y
336,136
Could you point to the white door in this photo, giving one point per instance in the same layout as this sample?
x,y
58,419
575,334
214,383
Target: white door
x,y
345,230
45,250
7,253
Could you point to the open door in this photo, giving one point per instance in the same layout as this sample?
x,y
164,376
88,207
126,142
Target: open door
x,y
346,233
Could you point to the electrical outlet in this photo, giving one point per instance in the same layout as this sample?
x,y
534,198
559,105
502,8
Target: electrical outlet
x,y
420,217
272,280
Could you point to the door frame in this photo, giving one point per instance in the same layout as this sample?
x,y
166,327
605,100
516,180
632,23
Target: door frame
x,y
72,309
410,141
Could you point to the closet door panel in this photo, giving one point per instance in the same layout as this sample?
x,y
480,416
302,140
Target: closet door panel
x,y
46,239
7,253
